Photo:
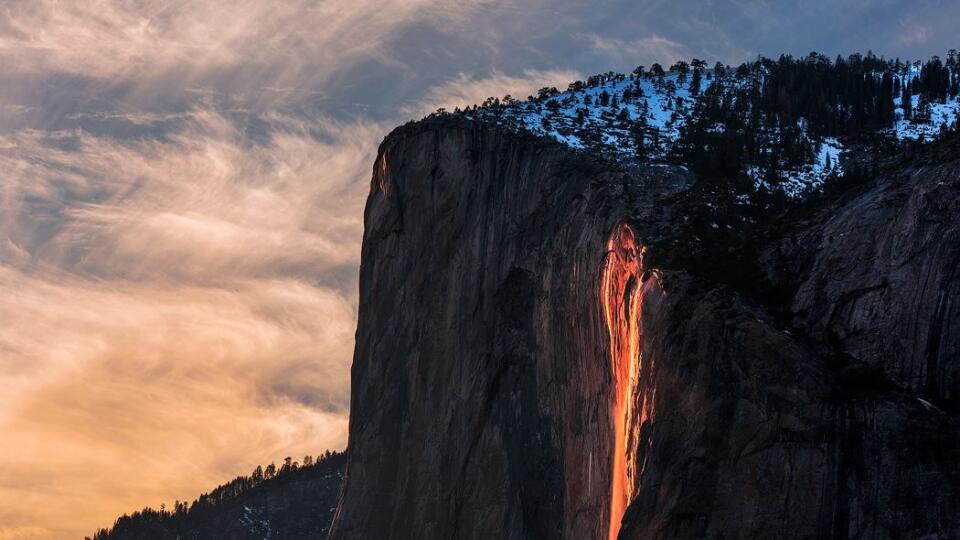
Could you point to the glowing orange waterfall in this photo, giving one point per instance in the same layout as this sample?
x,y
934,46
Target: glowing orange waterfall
x,y
380,170
621,295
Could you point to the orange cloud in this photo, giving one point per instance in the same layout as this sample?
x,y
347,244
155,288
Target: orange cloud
x,y
175,312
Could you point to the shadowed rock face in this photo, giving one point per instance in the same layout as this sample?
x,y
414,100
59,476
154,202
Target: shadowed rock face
x,y
878,280
516,362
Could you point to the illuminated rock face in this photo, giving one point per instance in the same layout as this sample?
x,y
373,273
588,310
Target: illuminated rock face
x,y
519,373
621,303
482,379
381,171
622,293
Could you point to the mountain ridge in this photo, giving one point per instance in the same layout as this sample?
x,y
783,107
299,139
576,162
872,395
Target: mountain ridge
x,y
657,115
294,500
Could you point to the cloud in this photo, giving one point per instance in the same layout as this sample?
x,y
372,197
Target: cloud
x,y
650,49
205,203
139,58
23,532
176,309
114,40
465,90
134,394
913,34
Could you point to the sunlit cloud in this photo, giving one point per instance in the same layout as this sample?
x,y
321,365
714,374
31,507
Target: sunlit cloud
x,y
204,203
465,90
653,48
193,41
175,311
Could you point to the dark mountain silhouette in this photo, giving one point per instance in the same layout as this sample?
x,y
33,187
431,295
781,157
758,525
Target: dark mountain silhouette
x,y
292,500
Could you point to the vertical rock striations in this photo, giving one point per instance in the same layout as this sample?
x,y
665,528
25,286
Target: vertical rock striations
x,y
519,373
482,375
621,296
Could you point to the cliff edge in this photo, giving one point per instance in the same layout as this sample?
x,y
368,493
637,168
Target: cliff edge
x,y
523,370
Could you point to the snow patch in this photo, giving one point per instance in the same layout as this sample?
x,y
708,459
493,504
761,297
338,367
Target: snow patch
x,y
617,111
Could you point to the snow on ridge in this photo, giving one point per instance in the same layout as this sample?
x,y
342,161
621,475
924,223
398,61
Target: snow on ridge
x,y
666,103
605,116
579,109
941,114
812,176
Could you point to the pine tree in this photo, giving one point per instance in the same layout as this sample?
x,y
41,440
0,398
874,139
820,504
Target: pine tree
x,y
923,112
953,70
604,98
682,68
720,70
695,83
639,145
698,67
885,112
906,101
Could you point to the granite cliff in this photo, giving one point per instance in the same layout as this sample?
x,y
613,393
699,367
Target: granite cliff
x,y
525,369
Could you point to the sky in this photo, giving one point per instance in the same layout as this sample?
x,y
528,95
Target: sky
x,y
181,195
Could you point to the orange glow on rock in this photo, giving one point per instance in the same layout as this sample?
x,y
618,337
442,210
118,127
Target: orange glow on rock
x,y
381,168
621,296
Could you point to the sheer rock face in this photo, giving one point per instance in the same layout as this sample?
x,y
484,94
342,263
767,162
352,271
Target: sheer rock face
x,y
878,280
841,424
480,402
485,380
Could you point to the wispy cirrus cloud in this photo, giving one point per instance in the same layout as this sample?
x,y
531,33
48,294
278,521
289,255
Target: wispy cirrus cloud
x,y
203,203
175,311
654,47
195,41
465,90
